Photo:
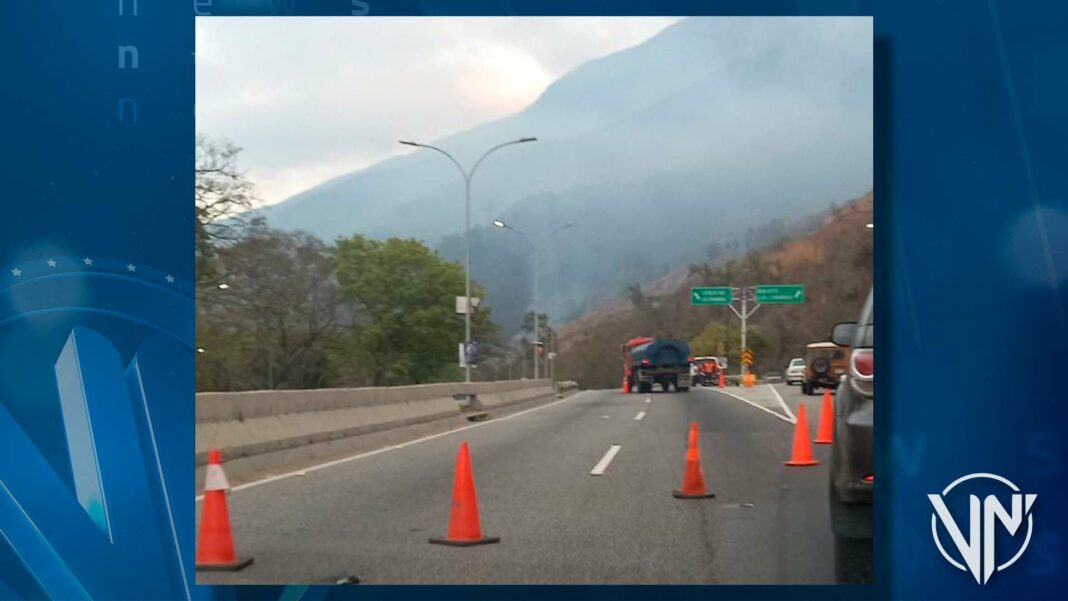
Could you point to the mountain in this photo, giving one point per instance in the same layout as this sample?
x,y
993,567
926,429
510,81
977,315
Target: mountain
x,y
834,261
712,127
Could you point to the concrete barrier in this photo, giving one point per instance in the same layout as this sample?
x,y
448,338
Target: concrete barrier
x,y
566,387
269,428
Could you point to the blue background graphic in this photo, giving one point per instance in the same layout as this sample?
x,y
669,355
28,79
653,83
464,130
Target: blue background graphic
x,y
971,242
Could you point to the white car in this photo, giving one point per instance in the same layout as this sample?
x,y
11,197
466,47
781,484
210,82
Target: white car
x,y
795,372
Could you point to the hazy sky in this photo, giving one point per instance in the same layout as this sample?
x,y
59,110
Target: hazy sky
x,y
312,98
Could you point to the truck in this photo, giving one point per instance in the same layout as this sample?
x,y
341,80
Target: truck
x,y
648,361
705,371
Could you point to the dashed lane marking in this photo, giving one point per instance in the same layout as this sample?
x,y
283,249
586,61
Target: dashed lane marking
x,y
602,465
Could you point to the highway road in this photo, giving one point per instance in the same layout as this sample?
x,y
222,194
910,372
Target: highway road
x,y
370,517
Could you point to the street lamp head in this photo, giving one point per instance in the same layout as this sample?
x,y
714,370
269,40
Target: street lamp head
x,y
499,223
200,349
224,286
408,142
531,139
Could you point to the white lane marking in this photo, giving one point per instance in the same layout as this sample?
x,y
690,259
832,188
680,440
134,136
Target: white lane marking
x,y
785,407
402,445
761,407
606,417
648,399
602,465
640,415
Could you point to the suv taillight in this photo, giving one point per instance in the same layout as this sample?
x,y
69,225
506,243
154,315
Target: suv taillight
x,y
863,360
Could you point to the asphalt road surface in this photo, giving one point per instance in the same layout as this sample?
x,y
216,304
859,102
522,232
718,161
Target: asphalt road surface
x,y
370,517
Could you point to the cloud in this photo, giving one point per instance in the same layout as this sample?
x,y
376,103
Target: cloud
x,y
312,98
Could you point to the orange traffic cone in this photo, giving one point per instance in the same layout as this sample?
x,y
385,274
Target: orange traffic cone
x,y
826,430
691,437
722,380
693,481
626,385
215,544
802,453
464,527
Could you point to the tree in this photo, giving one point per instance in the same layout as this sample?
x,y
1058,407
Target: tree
x,y
543,324
406,294
714,250
528,337
272,327
223,193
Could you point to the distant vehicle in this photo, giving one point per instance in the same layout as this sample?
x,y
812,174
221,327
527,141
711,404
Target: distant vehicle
x,y
705,371
852,474
795,371
628,372
660,361
825,362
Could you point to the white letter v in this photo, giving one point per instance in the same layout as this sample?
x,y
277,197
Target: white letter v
x,y
969,549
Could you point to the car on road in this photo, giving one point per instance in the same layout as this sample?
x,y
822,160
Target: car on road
x,y
852,473
825,362
705,371
795,371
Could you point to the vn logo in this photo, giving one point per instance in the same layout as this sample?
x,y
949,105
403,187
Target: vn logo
x,y
979,551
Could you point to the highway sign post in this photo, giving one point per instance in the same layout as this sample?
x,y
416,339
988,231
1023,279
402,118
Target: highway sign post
x,y
722,295
789,294
766,294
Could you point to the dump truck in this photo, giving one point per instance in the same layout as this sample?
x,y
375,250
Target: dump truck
x,y
649,361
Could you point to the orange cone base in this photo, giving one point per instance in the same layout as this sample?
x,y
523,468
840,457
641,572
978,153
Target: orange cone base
x,y
802,463
240,564
486,540
678,494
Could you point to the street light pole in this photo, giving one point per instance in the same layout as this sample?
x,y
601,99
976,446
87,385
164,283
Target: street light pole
x,y
536,249
467,175
537,322
467,276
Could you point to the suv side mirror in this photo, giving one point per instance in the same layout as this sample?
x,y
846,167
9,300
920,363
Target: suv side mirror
x,y
844,333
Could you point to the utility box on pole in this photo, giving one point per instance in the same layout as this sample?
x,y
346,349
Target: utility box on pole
x,y
461,305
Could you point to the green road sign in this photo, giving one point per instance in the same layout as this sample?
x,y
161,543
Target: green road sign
x,y
788,294
711,296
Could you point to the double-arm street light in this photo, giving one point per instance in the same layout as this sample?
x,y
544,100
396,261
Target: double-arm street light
x,y
467,175
536,248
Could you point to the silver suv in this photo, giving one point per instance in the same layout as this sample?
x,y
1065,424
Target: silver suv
x,y
852,472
